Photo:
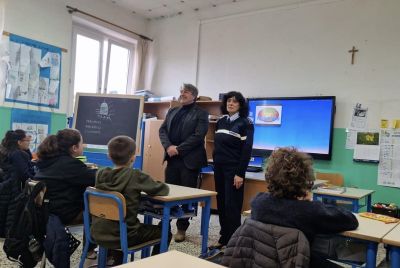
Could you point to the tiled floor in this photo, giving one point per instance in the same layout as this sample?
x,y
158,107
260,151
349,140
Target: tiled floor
x,y
190,246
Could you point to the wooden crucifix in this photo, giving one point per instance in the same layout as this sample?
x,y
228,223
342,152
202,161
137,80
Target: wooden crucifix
x,y
353,52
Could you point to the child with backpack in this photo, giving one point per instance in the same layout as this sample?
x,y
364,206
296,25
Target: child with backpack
x,y
130,183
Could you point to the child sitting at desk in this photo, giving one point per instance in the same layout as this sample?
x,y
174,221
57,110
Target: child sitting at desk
x,y
130,183
290,177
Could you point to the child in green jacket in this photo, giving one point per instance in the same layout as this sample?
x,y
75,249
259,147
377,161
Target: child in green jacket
x,y
130,183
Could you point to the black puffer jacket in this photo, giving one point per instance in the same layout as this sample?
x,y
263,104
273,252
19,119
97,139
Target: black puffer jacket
x,y
17,168
66,179
256,245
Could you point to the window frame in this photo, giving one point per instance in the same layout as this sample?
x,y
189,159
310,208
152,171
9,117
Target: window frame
x,y
102,35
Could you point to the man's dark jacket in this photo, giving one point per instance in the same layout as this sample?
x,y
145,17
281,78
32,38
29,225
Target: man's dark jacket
x,y
194,130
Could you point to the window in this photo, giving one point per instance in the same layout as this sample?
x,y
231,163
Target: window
x,y
102,63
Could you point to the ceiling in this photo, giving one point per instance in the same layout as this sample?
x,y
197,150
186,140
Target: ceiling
x,y
161,9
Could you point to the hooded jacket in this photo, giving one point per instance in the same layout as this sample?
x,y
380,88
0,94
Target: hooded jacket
x,y
66,179
130,183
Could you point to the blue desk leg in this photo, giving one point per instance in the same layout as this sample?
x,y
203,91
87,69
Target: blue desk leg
x,y
165,228
205,221
369,209
395,257
355,206
371,254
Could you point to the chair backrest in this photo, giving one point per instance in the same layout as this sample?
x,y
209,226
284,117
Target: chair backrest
x,y
106,205
332,178
30,184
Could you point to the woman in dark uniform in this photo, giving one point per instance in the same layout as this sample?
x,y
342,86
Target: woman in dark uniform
x,y
233,145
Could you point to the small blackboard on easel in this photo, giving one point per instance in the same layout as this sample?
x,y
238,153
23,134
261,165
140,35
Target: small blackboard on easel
x,y
100,117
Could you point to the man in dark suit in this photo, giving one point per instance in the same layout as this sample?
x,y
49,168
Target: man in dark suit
x,y
182,136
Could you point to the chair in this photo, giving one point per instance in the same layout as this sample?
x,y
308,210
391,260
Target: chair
x,y
110,206
332,178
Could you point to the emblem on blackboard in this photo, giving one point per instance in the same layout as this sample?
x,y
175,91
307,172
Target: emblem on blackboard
x,y
104,111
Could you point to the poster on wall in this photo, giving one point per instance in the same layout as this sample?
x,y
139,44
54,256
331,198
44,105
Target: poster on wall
x,y
34,72
389,164
37,124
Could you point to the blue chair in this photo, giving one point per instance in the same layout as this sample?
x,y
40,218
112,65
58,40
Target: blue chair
x,y
110,206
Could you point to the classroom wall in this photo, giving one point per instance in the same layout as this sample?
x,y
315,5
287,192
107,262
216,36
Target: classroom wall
x,y
48,21
297,50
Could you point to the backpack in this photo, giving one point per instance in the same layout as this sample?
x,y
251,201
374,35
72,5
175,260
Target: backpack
x,y
24,241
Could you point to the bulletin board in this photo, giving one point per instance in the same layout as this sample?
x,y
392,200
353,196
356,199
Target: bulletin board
x,y
37,124
34,72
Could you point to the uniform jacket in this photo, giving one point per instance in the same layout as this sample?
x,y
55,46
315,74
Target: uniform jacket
x,y
257,245
233,143
195,127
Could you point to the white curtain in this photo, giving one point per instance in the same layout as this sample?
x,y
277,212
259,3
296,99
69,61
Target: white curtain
x,y
145,65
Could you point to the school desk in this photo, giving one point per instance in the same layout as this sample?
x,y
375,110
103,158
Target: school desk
x,y
373,232
254,184
180,195
171,259
353,195
393,239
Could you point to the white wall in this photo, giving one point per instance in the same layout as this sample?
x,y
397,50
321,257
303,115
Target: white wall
x,y
292,51
48,21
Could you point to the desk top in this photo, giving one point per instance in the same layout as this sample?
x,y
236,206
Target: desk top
x,y
177,192
354,193
369,229
393,237
171,259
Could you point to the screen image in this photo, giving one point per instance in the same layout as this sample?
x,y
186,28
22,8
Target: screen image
x,y
304,122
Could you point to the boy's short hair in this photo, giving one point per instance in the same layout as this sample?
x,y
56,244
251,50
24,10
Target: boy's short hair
x,y
121,149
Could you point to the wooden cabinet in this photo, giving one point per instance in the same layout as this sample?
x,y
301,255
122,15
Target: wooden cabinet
x,y
153,152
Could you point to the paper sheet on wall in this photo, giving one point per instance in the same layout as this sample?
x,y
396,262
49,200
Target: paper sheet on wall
x,y
15,55
358,123
389,164
367,147
359,117
351,138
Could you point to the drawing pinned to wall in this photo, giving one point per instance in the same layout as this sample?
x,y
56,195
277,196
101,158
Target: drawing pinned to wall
x,y
37,124
34,72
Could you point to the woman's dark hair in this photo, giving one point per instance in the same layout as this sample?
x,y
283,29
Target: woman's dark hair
x,y
61,143
244,106
289,173
10,141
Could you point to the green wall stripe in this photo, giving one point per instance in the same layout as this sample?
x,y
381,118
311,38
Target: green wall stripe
x,y
361,175
356,174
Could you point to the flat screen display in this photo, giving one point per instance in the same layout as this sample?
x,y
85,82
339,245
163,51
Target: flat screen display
x,y
302,122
